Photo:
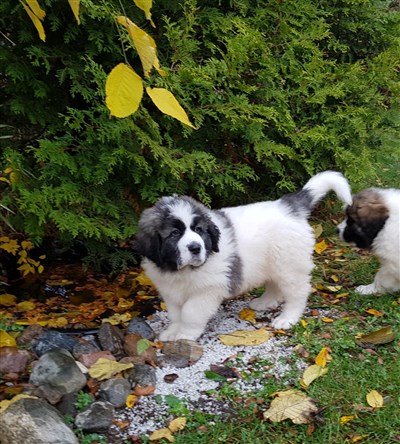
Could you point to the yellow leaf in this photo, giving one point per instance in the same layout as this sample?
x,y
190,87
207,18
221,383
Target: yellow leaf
x,y
291,404
166,102
382,336
327,320
11,246
75,4
163,306
118,318
144,280
26,245
311,374
4,179
8,170
4,239
177,424
26,269
247,314
145,6
374,312
323,357
358,438
334,278
36,9
246,337
375,399
26,306
57,322
124,91
318,230
40,269
131,400
320,247
333,288
105,368
6,340
6,403
304,323
36,21
347,418
7,300
162,434
145,45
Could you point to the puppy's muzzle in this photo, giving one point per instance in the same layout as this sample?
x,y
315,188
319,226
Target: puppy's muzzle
x,y
194,248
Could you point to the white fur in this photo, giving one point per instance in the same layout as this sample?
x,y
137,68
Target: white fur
x,y
275,247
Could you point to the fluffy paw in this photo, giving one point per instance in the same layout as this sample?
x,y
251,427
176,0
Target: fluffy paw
x,y
366,289
262,304
283,322
175,332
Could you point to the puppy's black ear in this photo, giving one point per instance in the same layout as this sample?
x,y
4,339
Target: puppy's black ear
x,y
147,242
148,245
214,233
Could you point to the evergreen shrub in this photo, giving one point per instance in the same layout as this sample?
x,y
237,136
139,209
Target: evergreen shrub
x,y
278,91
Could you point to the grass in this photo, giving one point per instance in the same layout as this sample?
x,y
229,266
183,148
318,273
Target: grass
x,y
352,373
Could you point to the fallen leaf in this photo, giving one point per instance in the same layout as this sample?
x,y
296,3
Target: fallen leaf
x,y
177,424
375,399
144,280
118,318
358,438
320,247
374,312
311,373
382,336
323,357
25,306
247,314
318,230
144,391
7,402
131,400
106,369
57,322
7,300
162,434
6,340
291,404
327,320
303,323
246,337
347,418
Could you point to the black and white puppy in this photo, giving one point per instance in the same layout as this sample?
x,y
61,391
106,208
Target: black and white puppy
x,y
373,222
197,257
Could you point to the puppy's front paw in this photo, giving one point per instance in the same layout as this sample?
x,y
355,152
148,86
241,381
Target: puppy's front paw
x,y
283,322
366,289
169,334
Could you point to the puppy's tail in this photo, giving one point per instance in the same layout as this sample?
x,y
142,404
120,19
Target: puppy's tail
x,y
302,202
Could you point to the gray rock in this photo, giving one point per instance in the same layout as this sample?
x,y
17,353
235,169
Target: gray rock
x,y
14,360
182,353
84,348
96,418
67,404
111,338
142,328
34,421
143,375
115,391
58,369
51,340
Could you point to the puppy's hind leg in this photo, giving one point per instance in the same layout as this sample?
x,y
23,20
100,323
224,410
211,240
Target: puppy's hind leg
x,y
295,296
270,299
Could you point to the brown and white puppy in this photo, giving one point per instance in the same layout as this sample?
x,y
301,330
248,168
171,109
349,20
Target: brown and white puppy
x,y
373,222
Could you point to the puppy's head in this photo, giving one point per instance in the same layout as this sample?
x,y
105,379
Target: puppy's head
x,y
366,217
175,233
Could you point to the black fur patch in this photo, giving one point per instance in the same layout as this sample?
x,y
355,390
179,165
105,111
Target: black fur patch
x,y
300,202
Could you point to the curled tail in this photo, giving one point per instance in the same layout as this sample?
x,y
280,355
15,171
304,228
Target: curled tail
x,y
302,202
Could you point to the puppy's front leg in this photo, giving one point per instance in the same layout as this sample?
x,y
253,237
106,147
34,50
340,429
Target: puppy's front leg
x,y
174,316
195,314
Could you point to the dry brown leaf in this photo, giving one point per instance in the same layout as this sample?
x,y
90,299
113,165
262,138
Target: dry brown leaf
x,y
177,424
291,404
162,434
246,337
382,336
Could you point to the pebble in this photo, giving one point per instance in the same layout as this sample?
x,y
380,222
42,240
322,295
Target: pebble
x,y
14,360
115,391
96,418
141,327
111,338
50,340
182,353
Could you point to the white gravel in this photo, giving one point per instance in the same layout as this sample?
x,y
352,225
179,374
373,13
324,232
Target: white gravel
x,y
151,412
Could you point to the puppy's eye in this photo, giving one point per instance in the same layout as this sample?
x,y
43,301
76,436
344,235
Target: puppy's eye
x,y
199,230
175,232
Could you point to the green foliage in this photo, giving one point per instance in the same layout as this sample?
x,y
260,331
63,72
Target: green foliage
x,y
83,401
278,91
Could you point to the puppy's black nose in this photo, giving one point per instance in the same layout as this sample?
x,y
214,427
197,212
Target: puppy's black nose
x,y
194,247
